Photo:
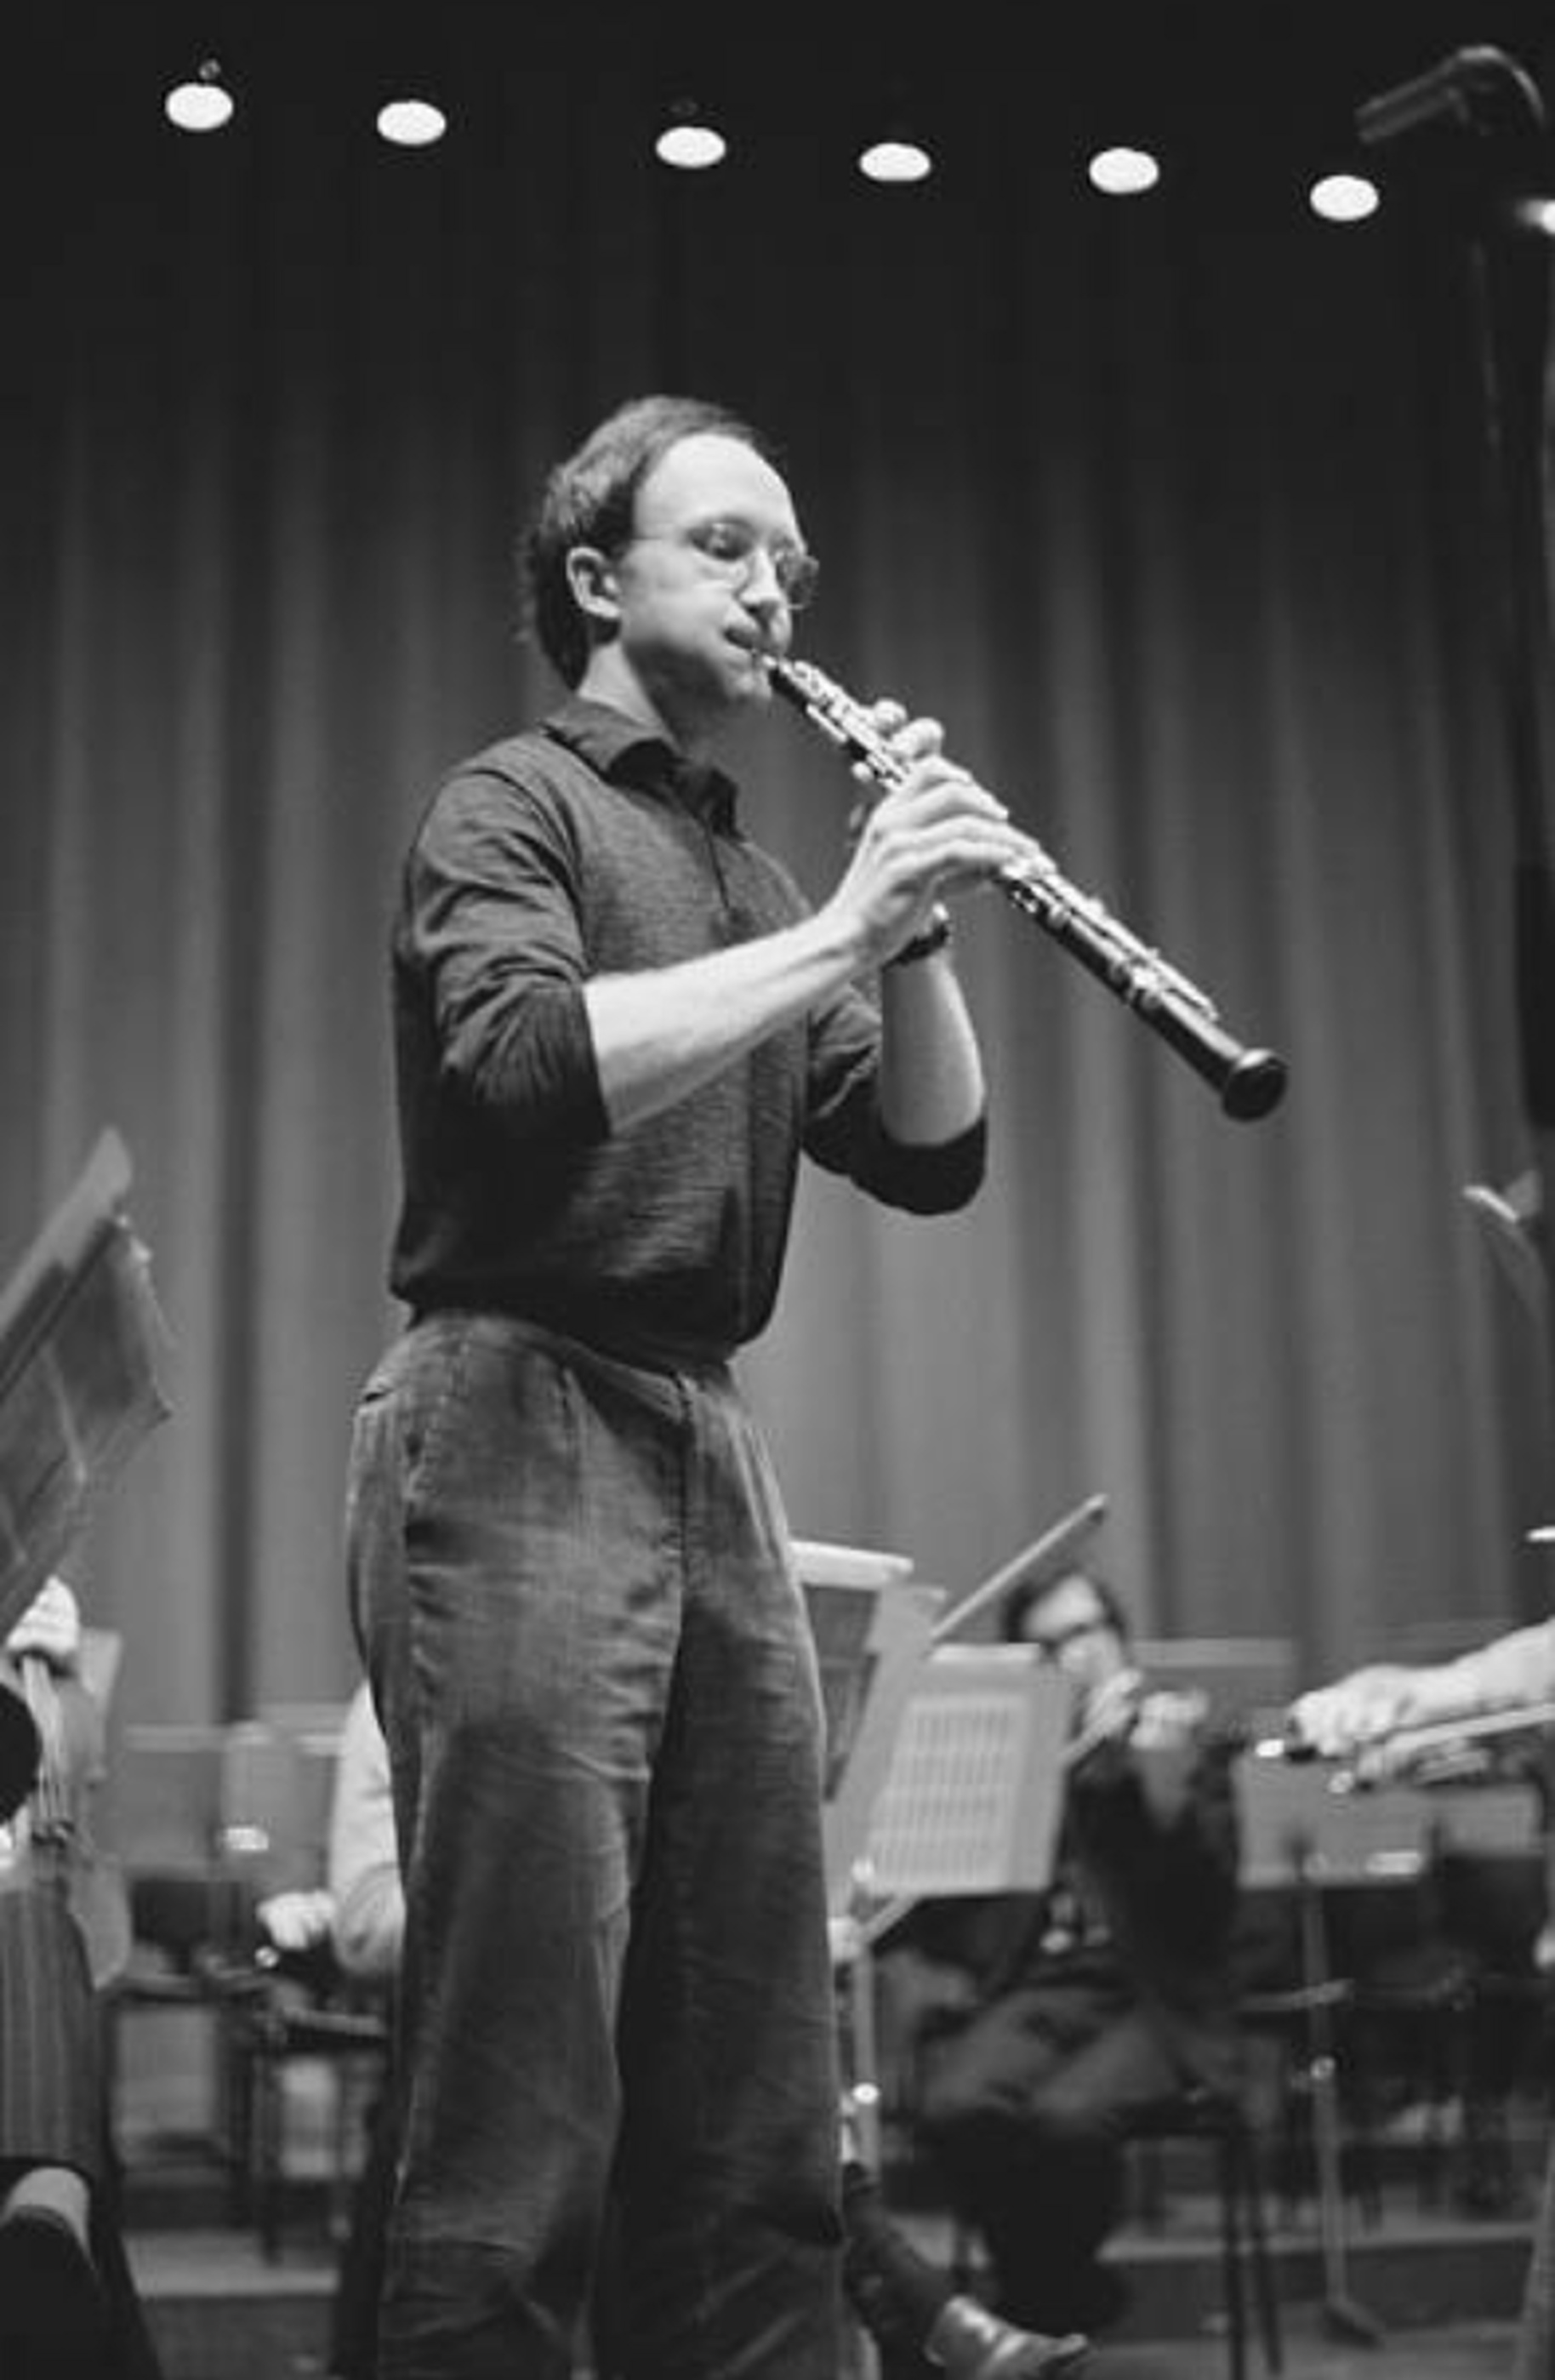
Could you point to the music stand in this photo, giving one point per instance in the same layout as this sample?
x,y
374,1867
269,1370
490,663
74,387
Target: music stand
x,y
871,1623
1295,1823
969,1796
1297,1831
974,1797
972,1801
81,1338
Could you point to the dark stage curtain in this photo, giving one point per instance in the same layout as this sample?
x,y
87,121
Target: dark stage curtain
x,y
1177,514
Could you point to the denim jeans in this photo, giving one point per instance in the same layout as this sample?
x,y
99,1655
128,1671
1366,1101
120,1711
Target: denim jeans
x,y
570,1579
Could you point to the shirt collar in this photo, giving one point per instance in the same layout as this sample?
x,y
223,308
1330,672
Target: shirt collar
x,y
624,752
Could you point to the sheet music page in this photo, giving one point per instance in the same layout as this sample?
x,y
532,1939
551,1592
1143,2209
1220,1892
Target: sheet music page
x,y
79,1369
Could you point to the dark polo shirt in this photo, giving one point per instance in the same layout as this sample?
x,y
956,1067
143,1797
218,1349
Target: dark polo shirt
x,y
584,847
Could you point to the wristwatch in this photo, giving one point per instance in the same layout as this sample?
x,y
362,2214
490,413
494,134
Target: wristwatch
x,y
934,937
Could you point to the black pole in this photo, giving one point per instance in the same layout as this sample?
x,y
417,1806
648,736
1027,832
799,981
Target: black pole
x,y
1483,111
1510,271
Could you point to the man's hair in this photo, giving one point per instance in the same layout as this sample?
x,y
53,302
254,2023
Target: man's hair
x,y
1024,1597
590,499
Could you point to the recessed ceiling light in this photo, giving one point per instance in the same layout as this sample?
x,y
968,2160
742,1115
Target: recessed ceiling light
x,y
411,123
202,102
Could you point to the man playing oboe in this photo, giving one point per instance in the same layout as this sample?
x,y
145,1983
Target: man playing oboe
x,y
619,1025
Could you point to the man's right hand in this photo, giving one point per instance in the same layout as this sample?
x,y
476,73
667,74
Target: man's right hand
x,y
937,832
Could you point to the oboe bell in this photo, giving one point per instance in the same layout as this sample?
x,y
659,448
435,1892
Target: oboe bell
x,y
1251,1082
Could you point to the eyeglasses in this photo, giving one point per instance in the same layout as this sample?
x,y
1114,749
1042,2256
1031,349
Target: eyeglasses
x,y
1051,1646
733,548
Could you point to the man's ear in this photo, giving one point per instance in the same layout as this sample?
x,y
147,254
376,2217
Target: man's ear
x,y
591,577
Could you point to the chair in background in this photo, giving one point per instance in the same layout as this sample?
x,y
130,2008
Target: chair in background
x,y
210,1821
1298,2036
307,2016
191,1925
1219,2120
1491,1899
309,2047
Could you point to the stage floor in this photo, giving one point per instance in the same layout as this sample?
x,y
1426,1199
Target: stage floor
x,y
220,2311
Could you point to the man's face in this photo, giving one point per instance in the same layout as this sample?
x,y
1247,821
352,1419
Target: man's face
x,y
1069,1621
700,586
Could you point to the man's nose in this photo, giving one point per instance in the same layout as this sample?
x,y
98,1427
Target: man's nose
x,y
763,584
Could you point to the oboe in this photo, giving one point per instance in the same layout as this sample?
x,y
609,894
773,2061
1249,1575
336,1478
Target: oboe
x,y
1251,1082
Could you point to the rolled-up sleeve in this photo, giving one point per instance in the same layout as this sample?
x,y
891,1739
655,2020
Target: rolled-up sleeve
x,y
845,1132
489,922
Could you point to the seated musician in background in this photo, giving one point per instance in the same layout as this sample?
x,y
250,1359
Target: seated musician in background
x,y
1099,2000
1366,1717
910,2305
68,2306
